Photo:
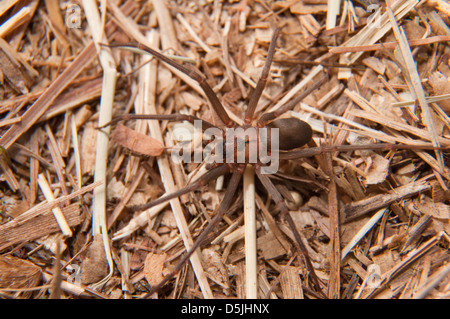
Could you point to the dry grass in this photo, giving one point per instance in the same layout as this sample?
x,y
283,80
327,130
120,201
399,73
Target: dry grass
x,y
65,186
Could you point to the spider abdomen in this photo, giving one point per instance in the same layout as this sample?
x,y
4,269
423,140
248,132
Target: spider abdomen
x,y
293,133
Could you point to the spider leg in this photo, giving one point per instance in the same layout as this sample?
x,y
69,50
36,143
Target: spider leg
x,y
269,116
312,151
203,180
170,117
278,199
193,74
256,94
223,208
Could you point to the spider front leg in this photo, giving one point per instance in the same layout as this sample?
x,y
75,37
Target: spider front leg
x,y
256,95
312,151
270,116
161,117
203,180
278,199
223,208
193,74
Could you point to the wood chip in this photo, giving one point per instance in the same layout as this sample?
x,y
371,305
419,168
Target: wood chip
x,y
360,208
154,269
436,210
88,139
290,283
375,64
270,247
15,231
192,101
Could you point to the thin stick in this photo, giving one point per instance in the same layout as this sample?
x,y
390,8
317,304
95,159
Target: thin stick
x,y
57,212
332,13
410,258
362,232
201,181
434,280
139,221
312,151
99,225
389,45
375,30
76,149
269,116
192,33
170,117
429,99
193,74
251,270
333,210
15,21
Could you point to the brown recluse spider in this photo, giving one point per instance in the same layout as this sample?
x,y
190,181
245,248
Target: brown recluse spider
x,y
298,133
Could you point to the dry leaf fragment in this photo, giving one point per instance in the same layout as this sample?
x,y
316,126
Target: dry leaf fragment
x,y
263,35
30,226
18,273
440,85
168,219
136,142
378,171
386,260
436,210
215,267
115,189
94,266
14,74
359,208
310,23
12,205
415,231
154,269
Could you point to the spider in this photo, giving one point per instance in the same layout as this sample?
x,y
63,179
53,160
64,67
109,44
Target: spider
x,y
293,134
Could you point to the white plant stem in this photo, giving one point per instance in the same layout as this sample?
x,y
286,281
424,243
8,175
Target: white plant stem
x,y
251,265
57,212
99,226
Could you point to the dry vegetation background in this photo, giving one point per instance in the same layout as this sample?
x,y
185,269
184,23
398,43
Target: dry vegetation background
x,y
386,84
